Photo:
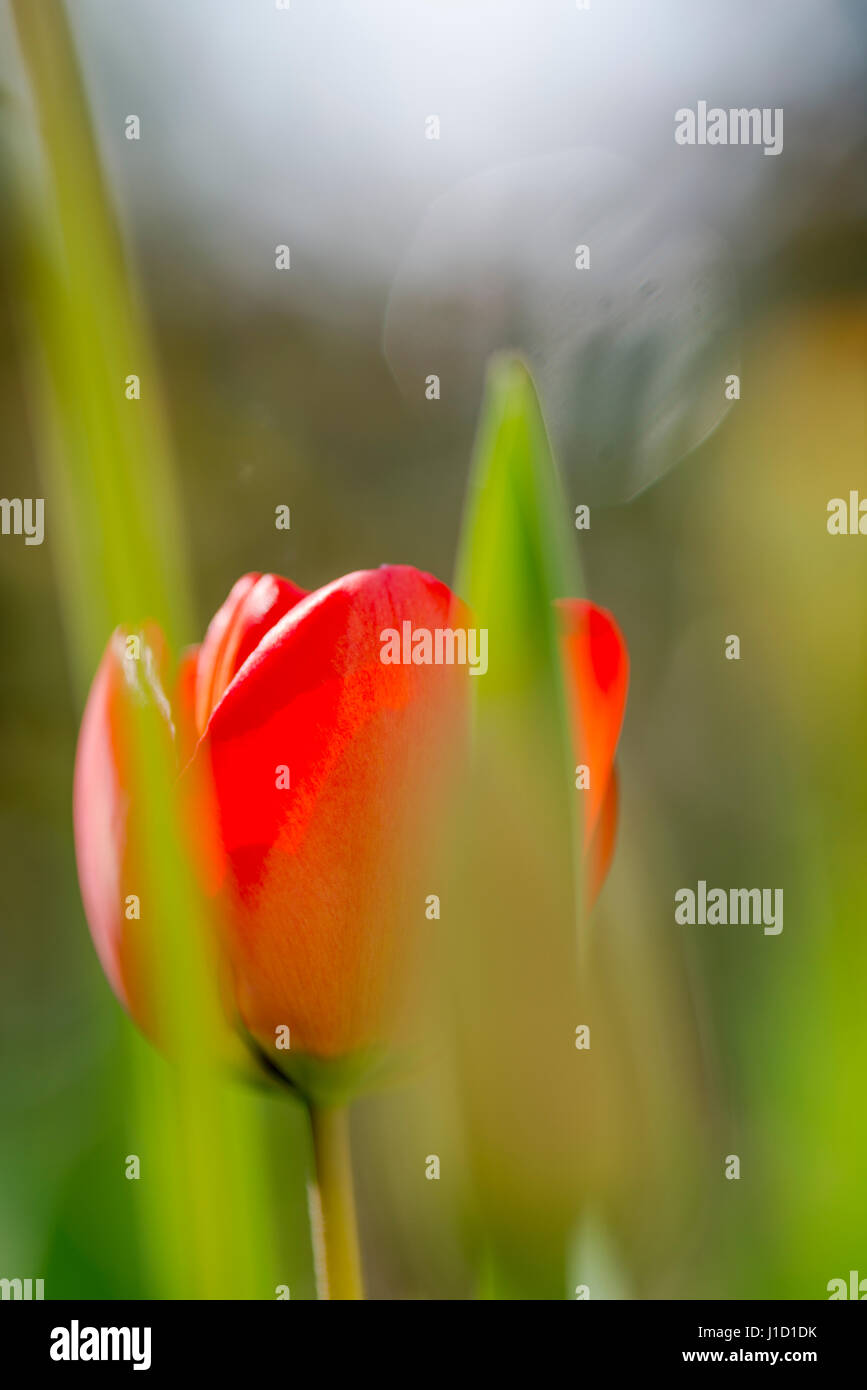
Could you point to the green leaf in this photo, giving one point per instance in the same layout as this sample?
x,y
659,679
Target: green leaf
x,y
515,556
514,949
204,1228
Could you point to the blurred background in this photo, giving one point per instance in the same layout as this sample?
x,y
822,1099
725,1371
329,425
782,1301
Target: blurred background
x,y
412,256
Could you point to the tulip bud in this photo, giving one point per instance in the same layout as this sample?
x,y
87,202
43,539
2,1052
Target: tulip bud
x,y
313,875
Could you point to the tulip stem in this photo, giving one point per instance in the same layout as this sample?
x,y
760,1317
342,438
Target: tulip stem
x,y
335,1230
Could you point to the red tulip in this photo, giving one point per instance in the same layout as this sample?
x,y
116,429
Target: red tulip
x,y
597,672
311,777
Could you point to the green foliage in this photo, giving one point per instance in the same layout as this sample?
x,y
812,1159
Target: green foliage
x,y
202,1222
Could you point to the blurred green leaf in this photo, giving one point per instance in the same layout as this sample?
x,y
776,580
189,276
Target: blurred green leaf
x,y
514,953
203,1220
106,457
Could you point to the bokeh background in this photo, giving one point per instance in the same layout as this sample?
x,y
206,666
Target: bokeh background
x,y
412,256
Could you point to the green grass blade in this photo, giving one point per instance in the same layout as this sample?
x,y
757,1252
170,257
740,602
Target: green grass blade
x,y
514,952
111,513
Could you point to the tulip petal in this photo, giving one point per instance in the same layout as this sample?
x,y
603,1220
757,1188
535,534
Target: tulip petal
x,y
254,605
597,672
184,704
104,796
325,884
600,850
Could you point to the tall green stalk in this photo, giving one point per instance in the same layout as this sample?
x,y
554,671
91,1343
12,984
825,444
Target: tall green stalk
x,y
112,522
